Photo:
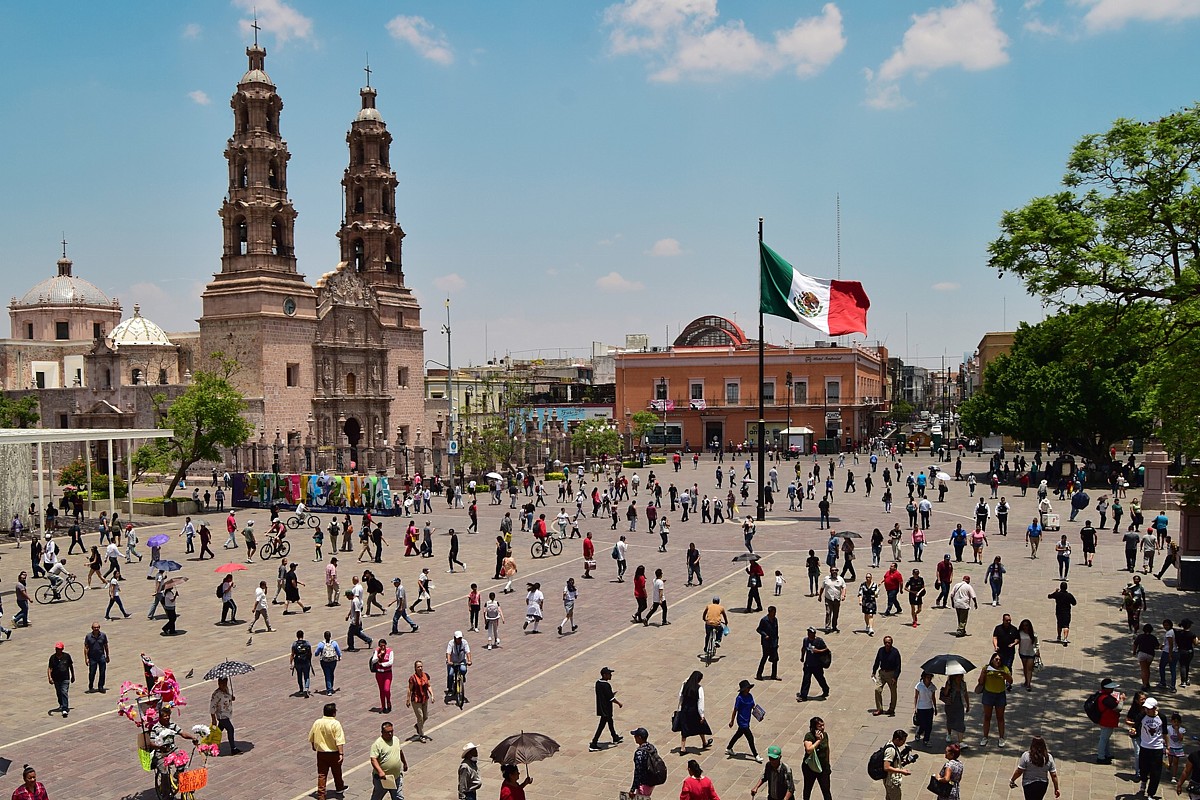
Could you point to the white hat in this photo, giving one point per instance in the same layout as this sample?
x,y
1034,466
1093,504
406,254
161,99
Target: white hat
x,y
1150,702
468,747
458,634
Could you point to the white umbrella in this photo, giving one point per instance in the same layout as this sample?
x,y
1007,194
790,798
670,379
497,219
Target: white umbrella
x,y
943,476
496,476
749,480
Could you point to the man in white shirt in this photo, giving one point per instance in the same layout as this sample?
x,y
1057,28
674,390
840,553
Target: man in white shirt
x,y
962,598
260,606
113,554
659,593
833,592
622,547
458,658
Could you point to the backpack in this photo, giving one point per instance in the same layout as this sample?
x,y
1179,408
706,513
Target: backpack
x,y
1091,707
875,765
221,590
656,768
616,552
303,650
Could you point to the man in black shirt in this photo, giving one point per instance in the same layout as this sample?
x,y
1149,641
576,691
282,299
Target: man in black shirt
x,y
1004,639
60,673
605,699
1088,536
886,670
815,655
1063,600
768,633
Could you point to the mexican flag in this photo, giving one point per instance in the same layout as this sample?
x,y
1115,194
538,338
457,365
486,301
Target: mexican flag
x,y
832,307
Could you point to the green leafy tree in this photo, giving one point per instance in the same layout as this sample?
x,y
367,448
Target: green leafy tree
x,y
205,418
487,447
643,424
154,456
1125,234
75,474
596,438
19,412
1069,381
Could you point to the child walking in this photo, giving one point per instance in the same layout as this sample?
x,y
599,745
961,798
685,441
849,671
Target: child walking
x,y
1175,744
779,582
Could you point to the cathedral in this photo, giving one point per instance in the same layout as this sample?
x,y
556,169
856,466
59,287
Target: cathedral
x,y
331,370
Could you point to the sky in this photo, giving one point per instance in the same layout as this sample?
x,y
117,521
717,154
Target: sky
x,y
571,172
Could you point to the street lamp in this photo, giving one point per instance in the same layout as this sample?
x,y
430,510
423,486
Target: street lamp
x,y
662,390
787,432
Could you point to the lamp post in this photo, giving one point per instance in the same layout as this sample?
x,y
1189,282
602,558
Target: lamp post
x,y
787,432
449,397
662,390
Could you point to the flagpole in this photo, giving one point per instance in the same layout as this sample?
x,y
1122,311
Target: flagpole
x,y
762,422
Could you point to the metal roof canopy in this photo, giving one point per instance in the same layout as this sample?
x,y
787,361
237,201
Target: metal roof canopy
x,y
41,436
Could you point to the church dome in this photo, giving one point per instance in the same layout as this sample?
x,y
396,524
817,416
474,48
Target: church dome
x,y
137,330
64,289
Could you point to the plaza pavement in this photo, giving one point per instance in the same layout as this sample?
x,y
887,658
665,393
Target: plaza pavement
x,y
545,683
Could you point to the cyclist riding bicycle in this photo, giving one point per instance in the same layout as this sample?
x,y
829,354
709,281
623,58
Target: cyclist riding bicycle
x,y
715,620
57,574
162,740
300,514
458,658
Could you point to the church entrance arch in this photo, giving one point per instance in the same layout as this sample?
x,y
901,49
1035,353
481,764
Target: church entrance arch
x,y
353,433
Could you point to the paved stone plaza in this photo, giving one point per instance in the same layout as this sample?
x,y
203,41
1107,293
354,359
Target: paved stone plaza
x,y
544,683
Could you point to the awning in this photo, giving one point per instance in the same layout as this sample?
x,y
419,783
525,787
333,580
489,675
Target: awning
x,y
797,432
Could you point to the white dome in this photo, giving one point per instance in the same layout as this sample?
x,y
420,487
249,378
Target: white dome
x,y
64,289
137,330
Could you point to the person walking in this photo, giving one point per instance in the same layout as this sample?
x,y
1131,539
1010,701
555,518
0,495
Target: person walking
x,y
60,673
743,707
1170,557
355,629
1036,770
833,592
915,586
96,656
754,580
1109,703
893,765
994,681
885,671
660,600
1063,600
868,595
893,582
697,785
380,663
114,596
950,775
815,767
1063,552
300,660
220,709
328,741
228,605
328,655
815,656
693,565
994,578
205,542
963,598
1033,537
400,601
768,635
1168,658
925,705
493,617
388,765
1151,743
417,698
535,602
452,553
569,596
469,782
619,551
606,698
956,703
944,573
260,607
1088,538
689,719
641,785
777,776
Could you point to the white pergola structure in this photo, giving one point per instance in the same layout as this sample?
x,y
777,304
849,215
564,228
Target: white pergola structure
x,y
37,437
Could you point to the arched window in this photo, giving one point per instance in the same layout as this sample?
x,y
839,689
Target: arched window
x,y
136,376
241,236
108,379
389,257
277,246
242,174
351,383
273,174
383,153
358,202
162,377
385,203
243,123
359,157
360,258
272,118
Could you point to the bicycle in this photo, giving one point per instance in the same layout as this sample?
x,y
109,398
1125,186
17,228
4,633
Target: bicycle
x,y
70,589
458,695
710,644
178,782
541,547
308,520
275,546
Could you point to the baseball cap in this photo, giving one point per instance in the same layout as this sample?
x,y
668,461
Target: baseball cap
x,y
395,580
645,734
59,646
774,751
1150,702
608,670
811,629
458,634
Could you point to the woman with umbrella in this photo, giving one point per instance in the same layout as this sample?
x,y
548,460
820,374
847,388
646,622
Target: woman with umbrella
x,y
513,787
690,719
956,703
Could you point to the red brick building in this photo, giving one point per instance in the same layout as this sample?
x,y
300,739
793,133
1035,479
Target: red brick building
x,y
705,388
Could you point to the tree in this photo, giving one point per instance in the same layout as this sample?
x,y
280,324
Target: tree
x,y
154,456
206,418
1065,382
1125,234
487,447
644,423
596,438
21,412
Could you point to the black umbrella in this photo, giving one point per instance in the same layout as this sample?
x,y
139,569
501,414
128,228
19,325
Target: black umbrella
x,y
848,535
747,557
228,669
948,664
524,748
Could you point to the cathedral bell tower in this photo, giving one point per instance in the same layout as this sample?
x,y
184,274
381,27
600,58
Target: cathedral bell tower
x,y
258,306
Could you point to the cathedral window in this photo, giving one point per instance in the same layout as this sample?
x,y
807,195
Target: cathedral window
x,y
278,248
243,123
383,153
359,157
28,330
62,330
351,383
272,120
360,258
385,204
402,377
136,376
243,174
389,258
162,377
358,202
293,374
108,379
241,234
273,175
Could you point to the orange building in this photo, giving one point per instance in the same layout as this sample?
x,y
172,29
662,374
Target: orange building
x,y
704,386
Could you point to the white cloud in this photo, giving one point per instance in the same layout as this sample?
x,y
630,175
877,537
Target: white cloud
x,y
946,286
275,17
192,30
611,240
200,97
1040,27
681,39
965,35
615,282
1104,15
666,248
450,283
430,43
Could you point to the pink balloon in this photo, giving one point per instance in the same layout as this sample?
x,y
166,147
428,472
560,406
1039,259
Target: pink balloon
x,y
353,465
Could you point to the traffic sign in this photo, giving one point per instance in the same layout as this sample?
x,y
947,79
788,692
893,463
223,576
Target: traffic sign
x,y
452,448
